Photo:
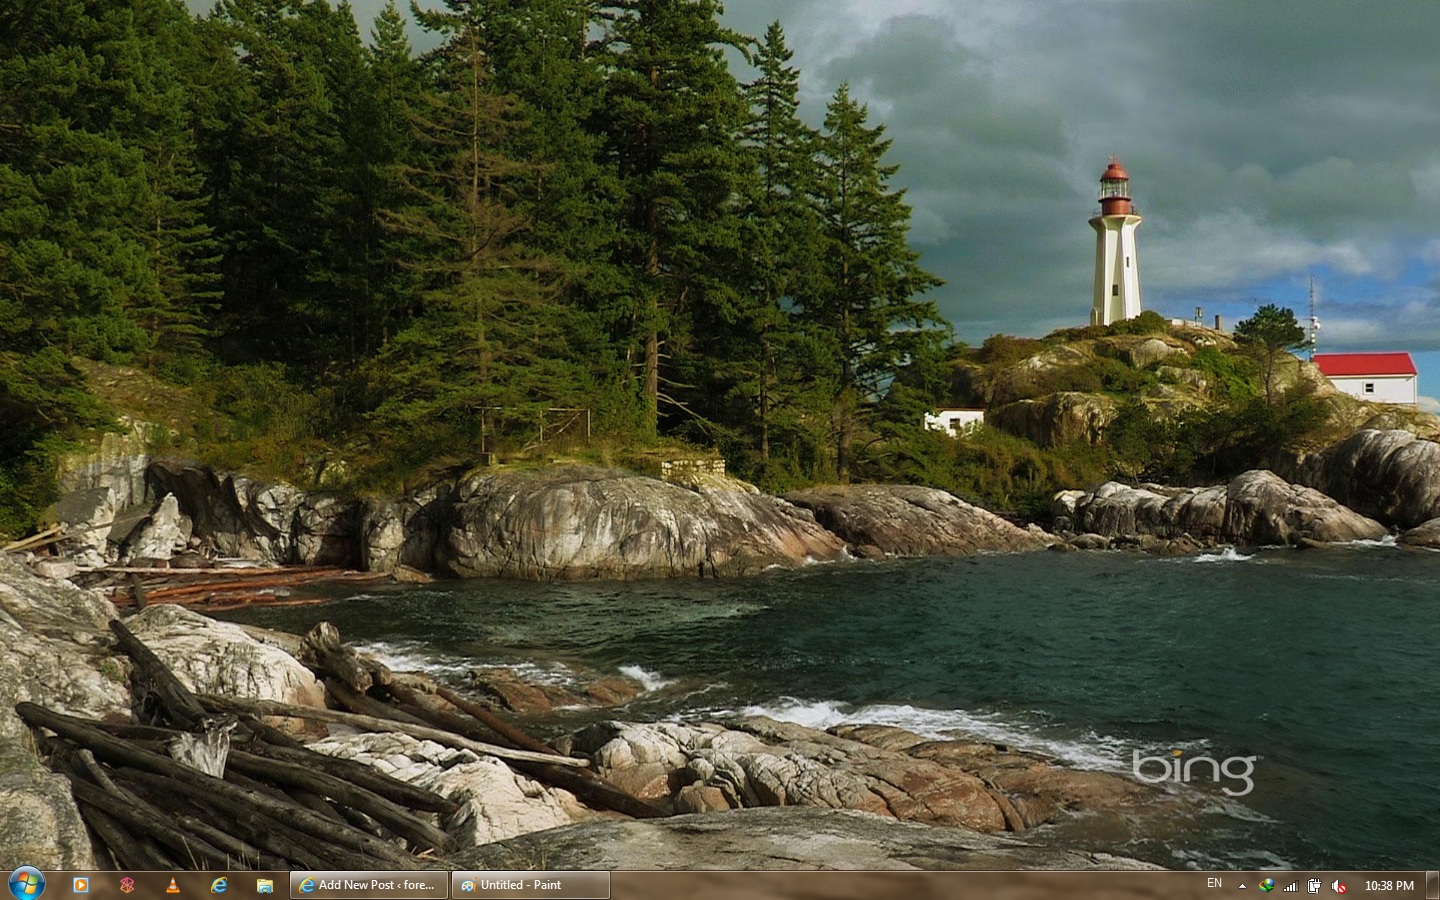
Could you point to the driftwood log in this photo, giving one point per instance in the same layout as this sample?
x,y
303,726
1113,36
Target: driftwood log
x,y
118,752
372,723
322,649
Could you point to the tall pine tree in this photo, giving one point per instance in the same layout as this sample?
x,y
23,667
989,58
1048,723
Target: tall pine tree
x,y
672,113
864,301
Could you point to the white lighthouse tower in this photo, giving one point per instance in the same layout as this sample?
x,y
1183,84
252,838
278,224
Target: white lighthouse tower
x,y
1117,267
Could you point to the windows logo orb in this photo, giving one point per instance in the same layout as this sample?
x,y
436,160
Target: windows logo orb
x,y
26,883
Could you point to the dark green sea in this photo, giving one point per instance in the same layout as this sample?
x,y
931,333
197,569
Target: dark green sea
x,y
1320,663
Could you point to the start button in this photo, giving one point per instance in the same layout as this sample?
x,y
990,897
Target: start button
x,y
530,885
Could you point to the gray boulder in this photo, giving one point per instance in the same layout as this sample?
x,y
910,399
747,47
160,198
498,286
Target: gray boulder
x,y
87,517
909,520
797,838
582,522
1256,507
1393,476
496,803
1067,417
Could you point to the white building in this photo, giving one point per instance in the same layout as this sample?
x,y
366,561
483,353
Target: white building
x,y
1377,377
1117,265
955,421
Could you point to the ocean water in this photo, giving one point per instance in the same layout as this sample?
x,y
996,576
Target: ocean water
x,y
1324,665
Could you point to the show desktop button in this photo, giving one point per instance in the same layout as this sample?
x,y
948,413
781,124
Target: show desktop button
x,y
360,885
530,885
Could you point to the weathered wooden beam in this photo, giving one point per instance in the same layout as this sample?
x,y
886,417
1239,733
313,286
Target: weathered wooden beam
x,y
366,776
138,591
418,832
588,786
266,832
130,852
180,704
372,723
140,817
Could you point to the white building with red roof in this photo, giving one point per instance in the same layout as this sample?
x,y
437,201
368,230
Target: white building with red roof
x,y
1378,377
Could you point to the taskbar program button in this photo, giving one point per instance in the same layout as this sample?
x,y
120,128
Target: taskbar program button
x,y
530,885
362,885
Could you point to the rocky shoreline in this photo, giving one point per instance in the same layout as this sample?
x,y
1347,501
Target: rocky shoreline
x,y
582,522
898,799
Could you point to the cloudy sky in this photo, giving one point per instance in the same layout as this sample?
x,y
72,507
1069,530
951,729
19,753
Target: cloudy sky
x,y
1266,142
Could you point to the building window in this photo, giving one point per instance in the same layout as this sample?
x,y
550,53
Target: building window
x,y
1114,290
1127,262
1369,387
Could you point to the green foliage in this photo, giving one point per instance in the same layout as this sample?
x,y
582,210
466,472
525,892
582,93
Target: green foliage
x,y
1148,322
1000,351
1230,378
1270,334
46,409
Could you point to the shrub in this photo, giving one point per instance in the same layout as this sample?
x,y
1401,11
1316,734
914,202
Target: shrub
x,y
1148,322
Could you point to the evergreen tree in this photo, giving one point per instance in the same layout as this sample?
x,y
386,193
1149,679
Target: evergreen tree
x,y
864,300
672,111
484,346
274,148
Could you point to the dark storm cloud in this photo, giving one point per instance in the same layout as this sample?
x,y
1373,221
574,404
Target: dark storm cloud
x,y
1263,139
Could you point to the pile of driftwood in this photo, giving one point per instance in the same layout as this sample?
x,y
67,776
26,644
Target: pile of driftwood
x,y
201,782
219,589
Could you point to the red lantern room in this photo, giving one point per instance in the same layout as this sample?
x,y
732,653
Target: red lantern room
x,y
1115,190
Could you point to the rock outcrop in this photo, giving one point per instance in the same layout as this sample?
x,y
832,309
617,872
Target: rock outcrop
x,y
407,531
506,689
1067,417
212,657
909,520
1393,476
165,533
277,524
496,803
581,522
780,838
52,652
757,761
1256,507
1426,534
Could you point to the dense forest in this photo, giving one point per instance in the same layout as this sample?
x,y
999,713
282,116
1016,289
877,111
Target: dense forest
x,y
340,242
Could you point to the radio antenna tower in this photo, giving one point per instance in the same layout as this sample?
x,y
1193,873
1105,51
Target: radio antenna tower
x,y
1314,321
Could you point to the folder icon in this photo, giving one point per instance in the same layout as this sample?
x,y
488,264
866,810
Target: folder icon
x,y
264,885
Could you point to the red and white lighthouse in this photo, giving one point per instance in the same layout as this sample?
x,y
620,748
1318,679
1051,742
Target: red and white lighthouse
x,y
1117,266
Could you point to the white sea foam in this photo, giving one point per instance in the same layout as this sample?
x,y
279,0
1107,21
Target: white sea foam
x,y
1388,540
650,681
416,656
1090,751
1229,554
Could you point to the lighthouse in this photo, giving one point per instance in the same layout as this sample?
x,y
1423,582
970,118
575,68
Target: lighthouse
x,y
1117,267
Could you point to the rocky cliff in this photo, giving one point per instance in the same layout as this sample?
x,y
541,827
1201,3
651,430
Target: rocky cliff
x,y
561,522
1257,507
1391,475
